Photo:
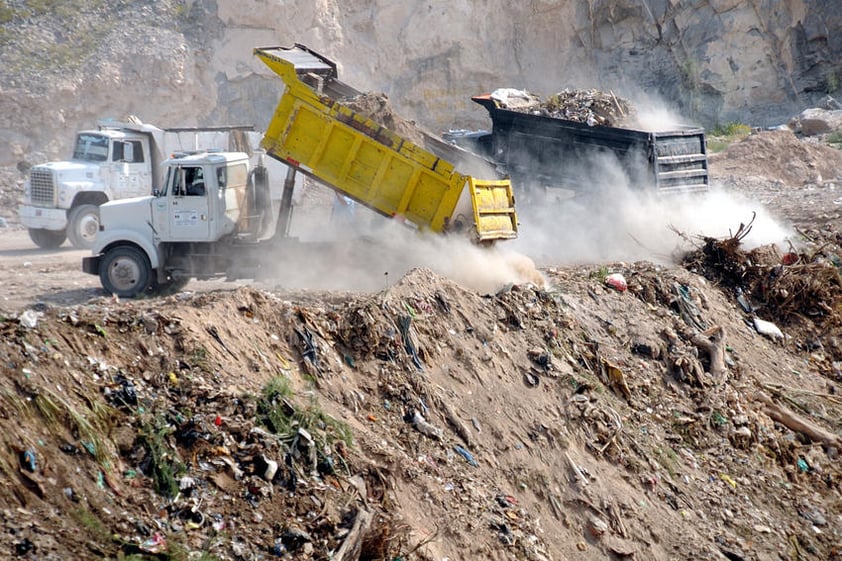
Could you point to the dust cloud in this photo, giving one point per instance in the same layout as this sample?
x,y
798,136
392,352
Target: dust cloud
x,y
369,252
609,221
606,222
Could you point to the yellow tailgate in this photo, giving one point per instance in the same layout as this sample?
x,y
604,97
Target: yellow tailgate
x,y
494,209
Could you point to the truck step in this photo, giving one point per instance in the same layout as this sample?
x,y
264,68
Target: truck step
x,y
684,173
682,159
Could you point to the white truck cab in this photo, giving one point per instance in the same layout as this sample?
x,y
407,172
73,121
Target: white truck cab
x,y
61,199
118,160
183,230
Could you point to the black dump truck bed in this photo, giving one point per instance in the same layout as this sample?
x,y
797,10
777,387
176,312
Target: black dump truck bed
x,y
538,150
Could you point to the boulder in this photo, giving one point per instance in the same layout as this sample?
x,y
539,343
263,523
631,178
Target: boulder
x,y
816,120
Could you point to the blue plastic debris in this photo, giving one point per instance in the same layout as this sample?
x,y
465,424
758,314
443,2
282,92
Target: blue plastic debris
x,y
467,455
28,460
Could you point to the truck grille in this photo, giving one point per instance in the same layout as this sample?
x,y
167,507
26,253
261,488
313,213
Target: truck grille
x,y
42,187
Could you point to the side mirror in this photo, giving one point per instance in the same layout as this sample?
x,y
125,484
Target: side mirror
x,y
156,192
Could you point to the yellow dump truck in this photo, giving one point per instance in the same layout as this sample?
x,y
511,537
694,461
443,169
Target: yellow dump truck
x,y
314,132
213,215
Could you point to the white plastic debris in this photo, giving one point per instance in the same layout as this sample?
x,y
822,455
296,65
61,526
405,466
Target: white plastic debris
x,y
29,318
511,97
768,329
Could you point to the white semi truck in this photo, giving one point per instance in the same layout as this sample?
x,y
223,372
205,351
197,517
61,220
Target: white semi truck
x,y
118,160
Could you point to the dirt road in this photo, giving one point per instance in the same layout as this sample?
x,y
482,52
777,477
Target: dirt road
x,y
50,276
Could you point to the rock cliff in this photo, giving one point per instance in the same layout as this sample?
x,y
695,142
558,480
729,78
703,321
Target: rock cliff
x,y
65,65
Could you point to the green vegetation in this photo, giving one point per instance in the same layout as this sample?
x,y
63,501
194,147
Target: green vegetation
x,y
89,521
199,358
80,41
164,464
668,458
600,274
7,14
834,139
722,136
276,412
87,425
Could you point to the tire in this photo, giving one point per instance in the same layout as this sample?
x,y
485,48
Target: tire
x,y
125,272
82,226
47,239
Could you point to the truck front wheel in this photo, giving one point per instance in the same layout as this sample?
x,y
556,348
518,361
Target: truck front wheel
x,y
47,239
82,226
125,271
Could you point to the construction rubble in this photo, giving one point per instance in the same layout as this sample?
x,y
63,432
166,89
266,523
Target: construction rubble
x,y
592,107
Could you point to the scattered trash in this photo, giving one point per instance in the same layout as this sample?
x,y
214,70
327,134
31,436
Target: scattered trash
x,y
29,318
27,460
744,302
541,357
467,455
617,281
418,421
156,544
597,526
768,329
25,546
790,258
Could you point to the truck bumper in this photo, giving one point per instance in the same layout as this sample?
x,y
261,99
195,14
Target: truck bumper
x,y
43,218
90,265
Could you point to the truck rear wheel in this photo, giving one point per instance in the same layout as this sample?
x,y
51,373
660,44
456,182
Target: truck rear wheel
x,y
125,271
47,239
82,226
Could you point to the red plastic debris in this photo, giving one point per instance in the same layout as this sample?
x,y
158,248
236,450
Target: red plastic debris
x,y
617,282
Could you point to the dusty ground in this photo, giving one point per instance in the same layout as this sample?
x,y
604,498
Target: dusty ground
x,y
430,421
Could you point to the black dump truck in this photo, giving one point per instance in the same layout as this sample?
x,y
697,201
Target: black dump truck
x,y
542,151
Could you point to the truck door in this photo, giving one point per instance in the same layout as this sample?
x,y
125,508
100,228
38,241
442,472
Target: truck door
x,y
189,219
133,174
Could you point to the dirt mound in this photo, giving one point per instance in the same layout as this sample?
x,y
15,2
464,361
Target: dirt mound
x,y
422,422
779,156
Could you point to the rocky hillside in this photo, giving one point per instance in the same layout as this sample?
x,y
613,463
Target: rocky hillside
x,y
65,64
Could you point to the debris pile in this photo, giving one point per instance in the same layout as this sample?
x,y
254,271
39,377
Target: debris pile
x,y
422,422
378,108
799,288
592,107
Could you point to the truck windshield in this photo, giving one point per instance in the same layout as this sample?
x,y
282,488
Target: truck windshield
x,y
91,147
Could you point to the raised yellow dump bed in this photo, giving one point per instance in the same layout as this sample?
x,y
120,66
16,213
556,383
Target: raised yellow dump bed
x,y
312,131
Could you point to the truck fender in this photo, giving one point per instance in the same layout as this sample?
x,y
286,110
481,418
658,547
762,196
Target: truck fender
x,y
108,238
69,190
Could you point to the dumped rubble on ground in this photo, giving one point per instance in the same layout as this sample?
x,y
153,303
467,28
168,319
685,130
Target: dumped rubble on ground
x,y
760,155
423,422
